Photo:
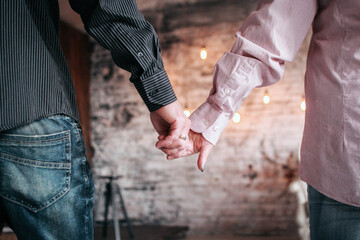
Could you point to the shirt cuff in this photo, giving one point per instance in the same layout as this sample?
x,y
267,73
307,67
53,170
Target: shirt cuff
x,y
209,121
156,90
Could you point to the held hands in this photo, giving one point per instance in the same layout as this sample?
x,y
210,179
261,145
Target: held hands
x,y
194,143
175,140
170,122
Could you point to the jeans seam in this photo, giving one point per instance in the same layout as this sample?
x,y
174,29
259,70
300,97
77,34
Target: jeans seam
x,y
41,207
39,164
32,142
64,136
83,166
88,220
66,187
27,136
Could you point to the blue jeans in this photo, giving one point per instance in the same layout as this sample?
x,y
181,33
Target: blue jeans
x,y
46,187
332,220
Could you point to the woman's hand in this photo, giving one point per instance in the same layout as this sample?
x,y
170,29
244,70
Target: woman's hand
x,y
193,143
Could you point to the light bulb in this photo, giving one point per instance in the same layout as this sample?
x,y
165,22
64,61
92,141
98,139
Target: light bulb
x,y
236,118
187,112
303,105
266,98
203,54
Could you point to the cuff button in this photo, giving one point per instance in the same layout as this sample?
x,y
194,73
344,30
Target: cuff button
x,y
153,92
206,122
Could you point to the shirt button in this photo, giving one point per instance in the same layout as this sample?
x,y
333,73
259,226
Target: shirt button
x,y
140,54
227,91
216,128
206,122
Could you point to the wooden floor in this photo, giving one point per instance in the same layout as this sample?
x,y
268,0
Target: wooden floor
x,y
160,233
144,233
140,233
238,238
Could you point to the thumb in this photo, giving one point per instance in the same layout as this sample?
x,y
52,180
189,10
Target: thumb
x,y
204,153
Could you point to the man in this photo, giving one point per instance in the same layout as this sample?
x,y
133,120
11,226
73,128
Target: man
x,y
46,189
330,152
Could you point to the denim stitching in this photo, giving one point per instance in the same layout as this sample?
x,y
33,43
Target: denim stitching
x,y
84,170
68,172
27,136
31,140
77,130
42,206
67,167
35,163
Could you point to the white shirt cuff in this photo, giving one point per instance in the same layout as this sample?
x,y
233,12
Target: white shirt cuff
x,y
209,121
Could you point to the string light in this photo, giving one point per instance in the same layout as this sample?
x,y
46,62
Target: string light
x,y
303,104
266,98
187,112
236,118
203,53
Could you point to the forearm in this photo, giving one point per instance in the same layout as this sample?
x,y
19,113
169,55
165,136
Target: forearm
x,y
134,45
269,37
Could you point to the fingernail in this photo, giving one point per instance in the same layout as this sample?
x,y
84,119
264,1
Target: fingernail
x,y
203,169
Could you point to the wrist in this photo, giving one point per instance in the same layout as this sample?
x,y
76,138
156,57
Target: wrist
x,y
171,112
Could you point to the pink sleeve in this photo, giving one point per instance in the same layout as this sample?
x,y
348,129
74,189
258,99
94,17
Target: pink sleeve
x,y
269,36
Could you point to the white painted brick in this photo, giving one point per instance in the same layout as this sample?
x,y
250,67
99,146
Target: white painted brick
x,y
240,192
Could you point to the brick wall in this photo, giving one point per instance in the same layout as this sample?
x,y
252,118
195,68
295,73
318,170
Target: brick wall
x,y
245,187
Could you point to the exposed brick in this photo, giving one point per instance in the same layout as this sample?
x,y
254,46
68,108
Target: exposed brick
x,y
245,187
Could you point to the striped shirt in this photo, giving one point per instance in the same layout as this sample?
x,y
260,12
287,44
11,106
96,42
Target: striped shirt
x,y
35,81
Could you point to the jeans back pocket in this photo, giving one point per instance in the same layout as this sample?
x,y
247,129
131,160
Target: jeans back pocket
x,y
35,170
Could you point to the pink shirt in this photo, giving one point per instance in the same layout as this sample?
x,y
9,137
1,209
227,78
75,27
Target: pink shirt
x,y
330,153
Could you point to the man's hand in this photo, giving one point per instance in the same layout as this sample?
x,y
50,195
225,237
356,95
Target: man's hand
x,y
194,144
171,123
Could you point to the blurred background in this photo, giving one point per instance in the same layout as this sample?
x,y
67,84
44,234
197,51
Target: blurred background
x,y
250,186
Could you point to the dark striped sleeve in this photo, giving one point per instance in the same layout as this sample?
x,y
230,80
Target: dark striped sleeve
x,y
120,27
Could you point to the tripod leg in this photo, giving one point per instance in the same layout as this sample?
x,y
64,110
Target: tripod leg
x,y
122,204
97,202
107,204
115,216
